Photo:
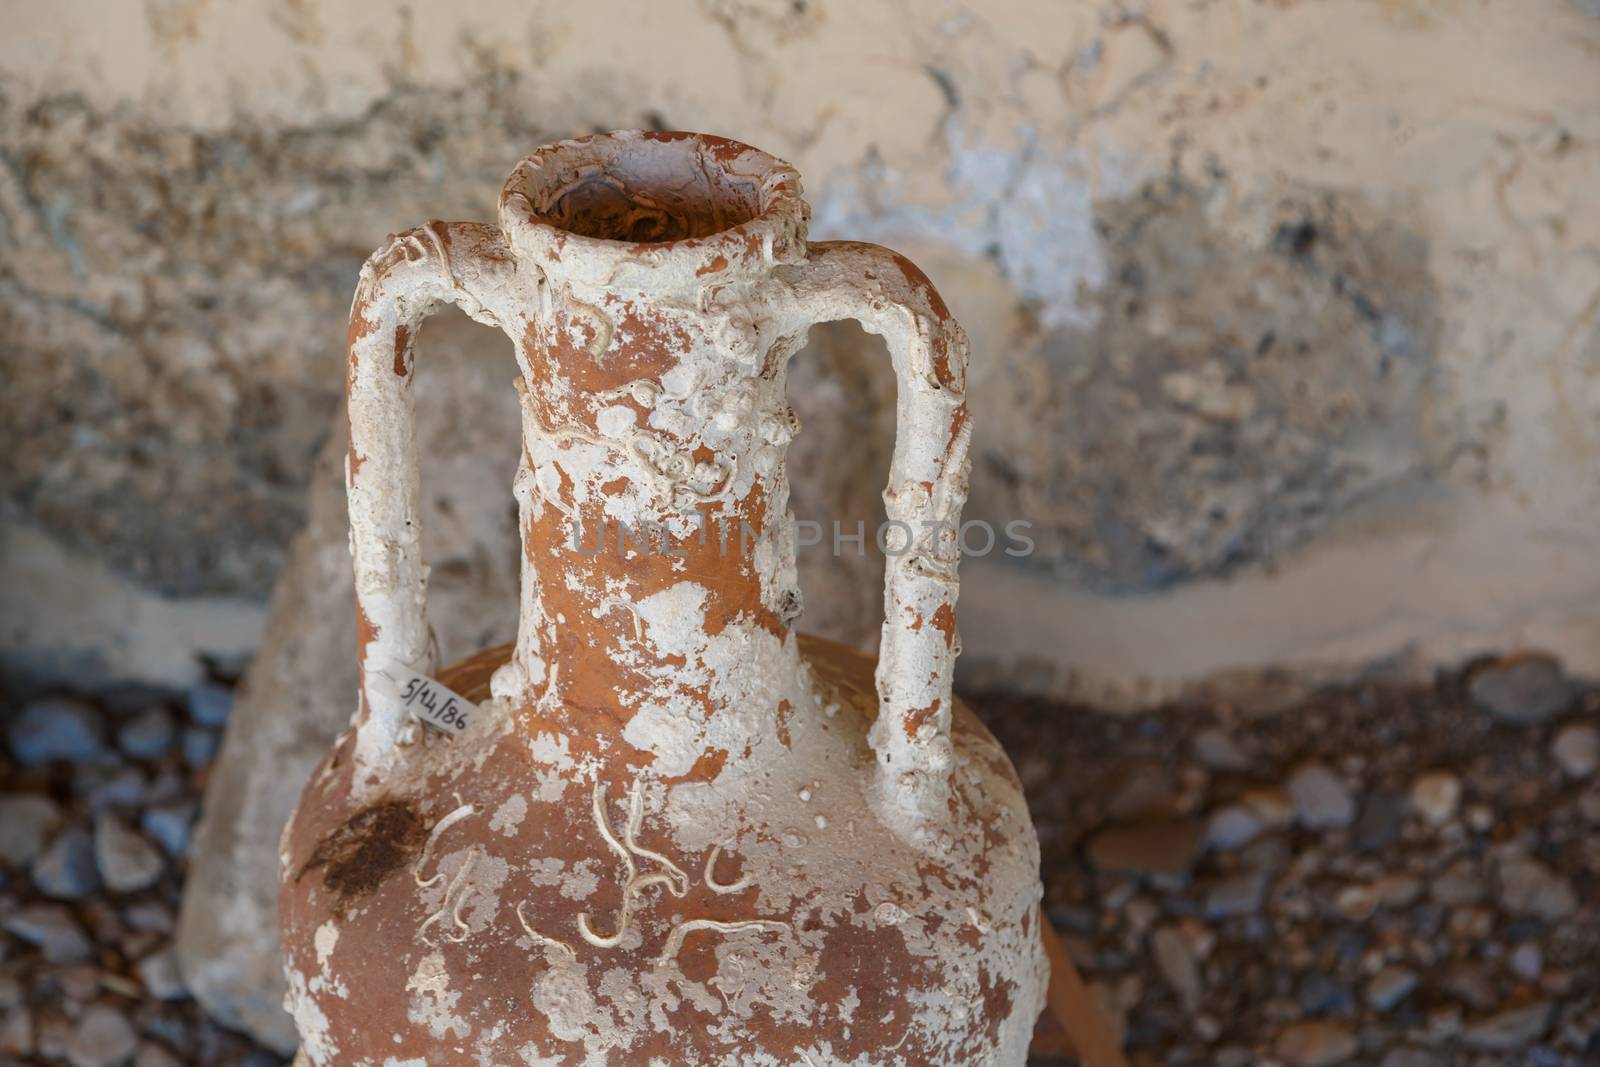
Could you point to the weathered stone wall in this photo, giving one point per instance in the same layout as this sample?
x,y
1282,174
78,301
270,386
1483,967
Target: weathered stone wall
x,y
1286,317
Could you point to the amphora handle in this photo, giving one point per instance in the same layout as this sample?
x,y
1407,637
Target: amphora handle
x,y
890,297
470,265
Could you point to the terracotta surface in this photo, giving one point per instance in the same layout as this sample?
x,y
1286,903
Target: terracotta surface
x,y
675,831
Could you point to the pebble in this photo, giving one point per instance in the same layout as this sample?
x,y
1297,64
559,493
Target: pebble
x,y
56,728
172,1029
1357,903
171,825
1216,749
1154,846
199,746
66,870
1321,799
1178,966
1471,924
102,1038
1529,888
1510,1029
1521,690
160,974
125,789
210,704
1527,961
1271,805
1383,812
1459,884
1142,790
52,929
1389,987
1232,826
148,735
1237,895
127,862
1397,890
169,784
26,823
1469,982
1317,1043
1576,749
1141,913
1318,994
1436,796
79,981
149,916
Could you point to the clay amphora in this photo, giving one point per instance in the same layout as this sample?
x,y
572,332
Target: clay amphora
x,y
672,831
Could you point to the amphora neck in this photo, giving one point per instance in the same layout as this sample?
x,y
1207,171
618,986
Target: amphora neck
x,y
652,493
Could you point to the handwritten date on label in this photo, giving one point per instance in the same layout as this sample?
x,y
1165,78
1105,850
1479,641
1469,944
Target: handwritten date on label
x,y
432,702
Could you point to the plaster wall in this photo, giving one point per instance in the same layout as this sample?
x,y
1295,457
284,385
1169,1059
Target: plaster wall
x,y
1285,316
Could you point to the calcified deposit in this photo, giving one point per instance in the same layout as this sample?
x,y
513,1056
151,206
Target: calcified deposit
x,y
673,832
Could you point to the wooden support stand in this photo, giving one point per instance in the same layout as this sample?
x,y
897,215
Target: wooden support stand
x,y
1072,1024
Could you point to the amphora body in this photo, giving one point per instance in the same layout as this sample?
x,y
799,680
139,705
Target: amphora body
x,y
672,831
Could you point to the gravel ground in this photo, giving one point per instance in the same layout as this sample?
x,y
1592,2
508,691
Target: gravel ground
x,y
1381,875
99,800
1394,876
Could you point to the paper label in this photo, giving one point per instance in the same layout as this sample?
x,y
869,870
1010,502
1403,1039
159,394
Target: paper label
x,y
431,701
